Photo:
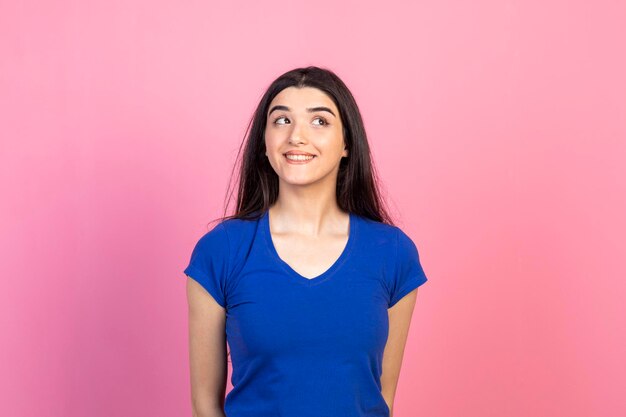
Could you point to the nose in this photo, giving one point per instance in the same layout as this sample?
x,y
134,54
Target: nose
x,y
297,135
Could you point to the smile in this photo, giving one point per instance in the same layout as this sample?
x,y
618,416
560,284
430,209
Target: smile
x,y
299,159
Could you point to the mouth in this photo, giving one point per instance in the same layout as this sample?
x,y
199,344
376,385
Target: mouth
x,y
299,159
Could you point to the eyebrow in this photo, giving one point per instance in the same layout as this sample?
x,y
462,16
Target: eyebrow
x,y
310,109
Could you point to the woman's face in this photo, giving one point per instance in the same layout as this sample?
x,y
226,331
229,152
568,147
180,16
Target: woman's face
x,y
304,121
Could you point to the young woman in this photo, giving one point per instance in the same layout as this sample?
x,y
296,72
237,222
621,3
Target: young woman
x,y
310,283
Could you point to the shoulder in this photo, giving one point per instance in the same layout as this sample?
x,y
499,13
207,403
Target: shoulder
x,y
211,249
226,228
235,237
225,235
216,236
378,233
217,254
389,241
240,232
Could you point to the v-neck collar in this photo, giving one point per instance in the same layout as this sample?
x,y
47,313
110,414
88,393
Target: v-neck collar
x,y
265,228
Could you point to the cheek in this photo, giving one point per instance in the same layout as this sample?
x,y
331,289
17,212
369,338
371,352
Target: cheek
x,y
270,144
270,138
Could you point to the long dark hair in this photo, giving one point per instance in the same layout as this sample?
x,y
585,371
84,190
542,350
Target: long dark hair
x,y
358,187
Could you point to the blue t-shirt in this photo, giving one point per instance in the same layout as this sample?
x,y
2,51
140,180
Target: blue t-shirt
x,y
305,347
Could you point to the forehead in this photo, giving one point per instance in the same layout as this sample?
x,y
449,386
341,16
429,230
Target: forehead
x,y
298,99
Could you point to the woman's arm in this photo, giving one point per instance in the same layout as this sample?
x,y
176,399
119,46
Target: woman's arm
x,y
399,322
207,352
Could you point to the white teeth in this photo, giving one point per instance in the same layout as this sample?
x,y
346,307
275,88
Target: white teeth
x,y
299,157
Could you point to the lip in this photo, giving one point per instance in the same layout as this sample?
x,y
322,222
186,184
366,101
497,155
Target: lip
x,y
289,161
298,153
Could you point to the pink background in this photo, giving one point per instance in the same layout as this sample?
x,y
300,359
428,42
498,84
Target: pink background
x,y
498,128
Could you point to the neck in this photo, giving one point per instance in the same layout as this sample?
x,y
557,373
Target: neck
x,y
307,214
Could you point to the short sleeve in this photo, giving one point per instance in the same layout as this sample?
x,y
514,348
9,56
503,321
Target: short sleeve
x,y
409,273
209,263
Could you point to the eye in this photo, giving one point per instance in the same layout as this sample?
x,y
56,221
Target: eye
x,y
323,120
277,119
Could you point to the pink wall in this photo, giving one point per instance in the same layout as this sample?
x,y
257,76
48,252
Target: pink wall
x,y
120,121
